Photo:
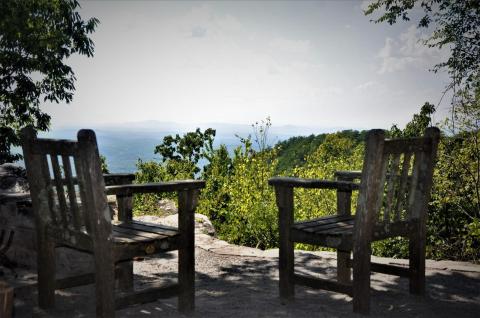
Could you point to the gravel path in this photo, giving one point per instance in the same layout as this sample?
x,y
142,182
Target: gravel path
x,y
235,281
234,286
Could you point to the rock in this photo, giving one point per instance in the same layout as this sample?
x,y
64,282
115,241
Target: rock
x,y
204,225
168,206
13,178
112,204
202,222
16,215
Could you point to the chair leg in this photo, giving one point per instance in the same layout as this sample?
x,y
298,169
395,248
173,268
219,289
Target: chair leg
x,y
417,265
186,278
343,271
286,269
105,285
187,201
125,276
46,272
361,279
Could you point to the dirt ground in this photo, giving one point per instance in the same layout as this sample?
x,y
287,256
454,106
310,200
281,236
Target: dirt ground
x,y
247,286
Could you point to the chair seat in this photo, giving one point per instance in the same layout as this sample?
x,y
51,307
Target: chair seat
x,y
331,231
135,239
336,231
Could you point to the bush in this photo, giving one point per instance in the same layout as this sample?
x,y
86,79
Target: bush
x,y
335,153
242,206
151,171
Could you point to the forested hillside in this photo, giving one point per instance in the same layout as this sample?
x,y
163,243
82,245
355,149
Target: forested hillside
x,y
241,204
294,151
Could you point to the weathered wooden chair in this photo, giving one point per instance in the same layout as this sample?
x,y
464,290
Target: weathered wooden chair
x,y
393,195
69,200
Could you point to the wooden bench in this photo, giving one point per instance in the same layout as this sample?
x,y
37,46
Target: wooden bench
x,y
68,196
393,196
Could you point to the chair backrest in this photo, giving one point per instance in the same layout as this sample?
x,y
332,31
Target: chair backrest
x,y
396,179
66,185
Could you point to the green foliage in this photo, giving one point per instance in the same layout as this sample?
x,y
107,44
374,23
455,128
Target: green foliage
x,y
103,162
294,151
180,155
189,148
453,212
242,207
152,171
337,152
395,247
239,201
455,208
237,197
215,198
251,213
36,37
149,171
416,127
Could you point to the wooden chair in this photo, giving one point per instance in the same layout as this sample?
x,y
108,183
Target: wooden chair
x,y
69,200
393,195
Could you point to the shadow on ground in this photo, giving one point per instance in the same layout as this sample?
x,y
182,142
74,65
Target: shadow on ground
x,y
232,286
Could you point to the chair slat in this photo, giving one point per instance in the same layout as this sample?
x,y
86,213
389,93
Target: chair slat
x,y
383,176
59,190
327,227
306,222
49,188
403,185
140,226
411,196
322,221
136,234
391,182
83,196
72,196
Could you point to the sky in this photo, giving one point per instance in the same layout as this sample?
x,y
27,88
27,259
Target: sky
x,y
306,63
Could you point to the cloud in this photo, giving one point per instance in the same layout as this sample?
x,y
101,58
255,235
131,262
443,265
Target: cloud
x,y
273,70
198,32
366,86
408,51
202,20
291,46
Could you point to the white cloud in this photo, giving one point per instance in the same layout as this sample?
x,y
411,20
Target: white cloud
x,y
291,46
199,32
366,86
202,19
408,50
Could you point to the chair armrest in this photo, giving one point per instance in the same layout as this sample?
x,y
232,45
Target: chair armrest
x,y
313,183
348,175
118,178
129,189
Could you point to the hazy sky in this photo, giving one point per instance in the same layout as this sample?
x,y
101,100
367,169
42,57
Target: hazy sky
x,y
315,63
